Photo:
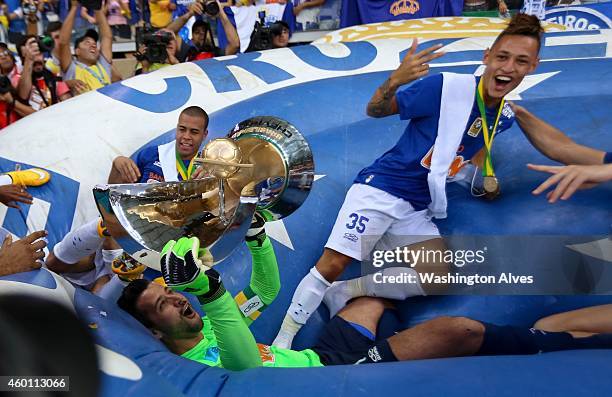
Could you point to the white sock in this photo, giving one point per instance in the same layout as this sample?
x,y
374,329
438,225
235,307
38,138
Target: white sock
x,y
5,180
78,243
391,283
305,301
113,289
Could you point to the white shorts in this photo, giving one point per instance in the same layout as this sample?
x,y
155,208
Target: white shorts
x,y
371,218
87,279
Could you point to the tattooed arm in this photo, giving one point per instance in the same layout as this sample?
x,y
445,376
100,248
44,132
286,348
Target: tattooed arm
x,y
413,66
383,102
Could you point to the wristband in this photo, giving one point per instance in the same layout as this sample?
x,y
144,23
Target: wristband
x,y
608,158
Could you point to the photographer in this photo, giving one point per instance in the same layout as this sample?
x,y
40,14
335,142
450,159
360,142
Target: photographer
x,y
269,37
202,44
92,64
38,86
157,50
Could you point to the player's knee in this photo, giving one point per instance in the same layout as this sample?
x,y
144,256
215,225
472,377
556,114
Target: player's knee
x,y
547,324
332,264
365,311
459,329
367,304
465,329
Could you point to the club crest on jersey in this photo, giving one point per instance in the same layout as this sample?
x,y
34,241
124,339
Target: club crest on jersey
x,y
266,354
507,111
475,128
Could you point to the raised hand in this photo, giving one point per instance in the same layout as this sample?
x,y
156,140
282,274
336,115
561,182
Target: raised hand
x,y
415,65
127,169
570,178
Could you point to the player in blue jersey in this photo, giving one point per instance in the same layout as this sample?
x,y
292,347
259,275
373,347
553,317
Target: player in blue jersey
x,y
453,121
84,256
172,161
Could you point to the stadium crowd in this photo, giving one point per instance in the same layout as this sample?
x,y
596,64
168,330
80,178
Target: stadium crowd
x,y
52,50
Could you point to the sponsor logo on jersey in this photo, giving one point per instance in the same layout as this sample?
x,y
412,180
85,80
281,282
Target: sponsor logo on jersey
x,y
369,178
153,177
475,128
248,307
267,357
455,166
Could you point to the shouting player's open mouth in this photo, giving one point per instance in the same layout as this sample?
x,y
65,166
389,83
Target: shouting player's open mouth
x,y
188,311
501,82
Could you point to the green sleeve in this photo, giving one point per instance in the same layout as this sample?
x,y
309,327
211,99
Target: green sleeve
x,y
265,279
265,282
237,345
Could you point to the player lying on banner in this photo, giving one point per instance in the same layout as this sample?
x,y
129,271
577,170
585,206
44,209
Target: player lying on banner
x,y
453,118
222,338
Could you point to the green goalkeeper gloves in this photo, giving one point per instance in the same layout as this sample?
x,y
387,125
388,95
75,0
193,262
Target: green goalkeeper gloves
x,y
186,267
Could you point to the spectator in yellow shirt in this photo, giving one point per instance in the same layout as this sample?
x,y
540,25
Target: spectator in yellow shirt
x,y
161,12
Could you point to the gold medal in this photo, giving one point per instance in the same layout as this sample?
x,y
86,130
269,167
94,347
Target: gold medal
x,y
490,183
491,187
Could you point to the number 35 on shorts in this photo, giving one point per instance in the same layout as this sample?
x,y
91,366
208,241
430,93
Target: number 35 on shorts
x,y
357,222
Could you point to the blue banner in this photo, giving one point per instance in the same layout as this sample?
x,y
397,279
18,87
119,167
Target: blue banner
x,y
359,12
584,17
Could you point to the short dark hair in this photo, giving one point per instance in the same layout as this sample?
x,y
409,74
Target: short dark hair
x,y
196,111
53,27
277,28
200,24
129,297
523,25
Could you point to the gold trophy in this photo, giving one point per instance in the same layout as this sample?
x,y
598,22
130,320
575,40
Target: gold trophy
x,y
263,164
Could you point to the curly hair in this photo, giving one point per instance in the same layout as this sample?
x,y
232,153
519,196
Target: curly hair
x,y
523,25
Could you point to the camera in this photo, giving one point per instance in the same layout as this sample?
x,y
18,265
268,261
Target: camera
x,y
261,38
156,43
211,7
5,85
45,43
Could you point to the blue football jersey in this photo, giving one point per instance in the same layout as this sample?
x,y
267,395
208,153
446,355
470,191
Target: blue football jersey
x,y
402,170
149,165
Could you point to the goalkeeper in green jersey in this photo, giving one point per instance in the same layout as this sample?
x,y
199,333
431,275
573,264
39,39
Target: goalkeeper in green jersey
x,y
222,337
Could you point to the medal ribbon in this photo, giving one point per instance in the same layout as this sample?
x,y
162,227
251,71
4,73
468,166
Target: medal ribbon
x,y
97,75
185,173
487,169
